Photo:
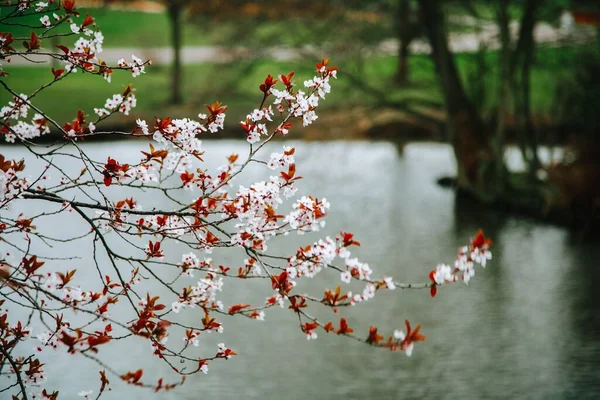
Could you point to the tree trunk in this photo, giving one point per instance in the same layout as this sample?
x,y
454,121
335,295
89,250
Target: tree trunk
x,y
521,66
473,153
525,118
175,11
503,20
402,73
55,42
405,35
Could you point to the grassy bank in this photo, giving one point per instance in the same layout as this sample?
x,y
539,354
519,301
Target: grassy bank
x,y
123,28
361,83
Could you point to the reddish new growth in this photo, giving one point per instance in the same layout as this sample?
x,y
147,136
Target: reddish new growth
x,y
464,266
112,170
154,232
268,84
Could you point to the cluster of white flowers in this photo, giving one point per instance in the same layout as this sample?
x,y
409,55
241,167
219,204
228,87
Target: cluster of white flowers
x,y
464,267
442,274
27,131
47,339
117,103
312,259
388,281
192,339
300,105
180,161
92,46
77,29
204,292
304,107
179,138
306,214
401,335
255,131
168,225
358,269
367,294
11,186
464,263
40,5
191,262
23,4
52,281
276,299
73,295
282,160
320,84
259,115
480,255
136,65
145,173
311,335
17,108
85,51
281,95
215,125
45,20
251,203
223,350
143,125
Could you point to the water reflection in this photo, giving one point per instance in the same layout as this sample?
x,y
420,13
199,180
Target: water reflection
x,y
526,327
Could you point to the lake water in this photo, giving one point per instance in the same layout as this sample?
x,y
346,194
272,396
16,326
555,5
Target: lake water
x,y
527,326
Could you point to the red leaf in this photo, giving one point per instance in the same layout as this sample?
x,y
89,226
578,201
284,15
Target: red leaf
x,y
433,290
287,79
57,72
344,328
237,308
374,337
107,180
88,20
69,6
34,41
65,49
268,84
329,327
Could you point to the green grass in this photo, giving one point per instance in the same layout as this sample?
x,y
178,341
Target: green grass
x,y
121,28
139,29
360,84
235,85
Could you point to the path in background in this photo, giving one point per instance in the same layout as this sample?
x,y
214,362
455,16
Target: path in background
x,y
460,43
137,5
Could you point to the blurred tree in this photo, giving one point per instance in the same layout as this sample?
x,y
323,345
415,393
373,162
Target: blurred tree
x,y
571,192
479,151
519,75
348,29
408,29
175,10
466,129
